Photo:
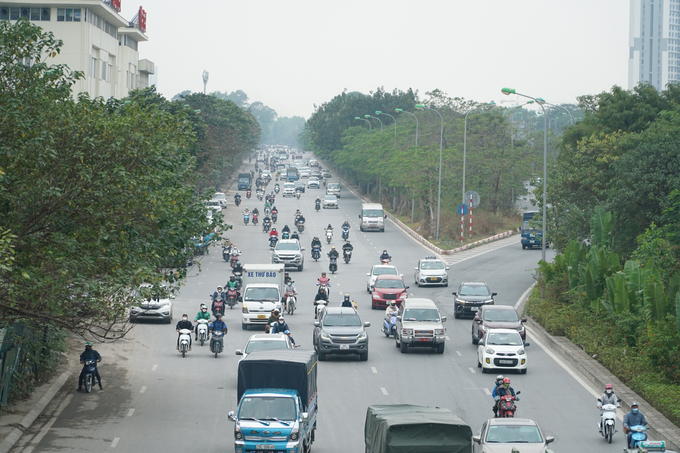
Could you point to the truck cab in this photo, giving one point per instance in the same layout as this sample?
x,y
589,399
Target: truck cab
x,y
531,237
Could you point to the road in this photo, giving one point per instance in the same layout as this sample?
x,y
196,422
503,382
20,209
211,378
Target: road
x,y
154,400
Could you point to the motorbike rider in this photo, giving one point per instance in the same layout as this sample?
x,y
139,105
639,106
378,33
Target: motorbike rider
x,y
202,314
345,225
246,212
218,294
333,253
317,201
233,284
295,235
184,324
287,333
290,290
89,354
347,247
385,256
267,222
608,397
503,390
279,326
316,241
256,212
234,250
633,418
494,394
323,280
300,219
285,229
275,211
273,317
237,197
238,268
329,227
217,325
391,310
273,232
286,278
346,301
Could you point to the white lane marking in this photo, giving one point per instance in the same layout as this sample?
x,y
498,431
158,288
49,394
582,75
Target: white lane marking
x,y
458,352
154,368
130,412
524,294
487,391
374,370
472,370
115,442
447,338
143,389
384,390
36,440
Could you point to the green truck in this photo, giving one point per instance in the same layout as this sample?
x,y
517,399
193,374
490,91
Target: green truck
x,y
405,428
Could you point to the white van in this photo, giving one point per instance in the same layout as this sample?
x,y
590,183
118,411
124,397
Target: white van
x,y
372,217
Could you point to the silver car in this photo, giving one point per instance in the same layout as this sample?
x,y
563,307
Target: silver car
x,y
150,306
507,434
265,341
431,271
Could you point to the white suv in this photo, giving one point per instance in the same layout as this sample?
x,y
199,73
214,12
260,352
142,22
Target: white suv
x,y
289,189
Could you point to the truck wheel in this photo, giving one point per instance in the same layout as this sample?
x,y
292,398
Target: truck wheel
x,y
403,347
440,348
322,356
524,247
244,326
363,357
300,267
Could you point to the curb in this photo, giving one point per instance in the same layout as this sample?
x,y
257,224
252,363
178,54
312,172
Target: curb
x,y
660,428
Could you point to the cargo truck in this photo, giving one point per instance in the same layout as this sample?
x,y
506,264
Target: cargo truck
x,y
244,181
277,398
262,292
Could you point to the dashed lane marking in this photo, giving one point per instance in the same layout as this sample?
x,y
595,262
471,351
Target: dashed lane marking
x,y
130,412
374,370
458,352
383,390
487,391
143,389
472,370
154,368
115,442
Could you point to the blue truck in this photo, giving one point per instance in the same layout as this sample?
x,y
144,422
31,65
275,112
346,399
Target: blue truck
x,y
277,397
244,181
531,237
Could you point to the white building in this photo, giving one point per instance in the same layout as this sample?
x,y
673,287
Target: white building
x,y
654,42
97,41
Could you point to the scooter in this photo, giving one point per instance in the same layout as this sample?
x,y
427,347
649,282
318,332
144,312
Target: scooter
x,y
248,193
232,297
254,219
90,370
226,253
272,241
639,436
297,194
233,260
507,407
267,211
266,226
347,255
290,304
333,266
239,280
301,227
246,219
316,252
275,217
319,306
324,287
317,206
237,201
608,421
277,188
390,327
202,330
218,307
329,236
285,235
385,260
217,342
345,233
184,339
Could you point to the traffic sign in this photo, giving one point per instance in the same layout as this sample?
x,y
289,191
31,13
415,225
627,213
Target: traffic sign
x,y
462,209
475,198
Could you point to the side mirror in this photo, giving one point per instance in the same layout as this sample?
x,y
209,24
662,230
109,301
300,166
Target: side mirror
x,y
407,287
398,318
302,249
494,294
172,296
549,439
367,324
476,318
368,274
443,318
524,319
317,324
455,293
385,216
415,268
447,268
239,352
526,343
232,416
359,215
480,343
477,439
240,298
305,416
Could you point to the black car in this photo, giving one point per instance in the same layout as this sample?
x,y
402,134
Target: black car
x,y
470,297
339,330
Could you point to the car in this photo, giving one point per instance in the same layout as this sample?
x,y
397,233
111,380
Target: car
x,y
304,172
388,288
431,271
214,205
266,174
497,317
502,349
376,270
209,215
289,252
300,186
510,434
149,305
315,174
339,330
330,202
313,163
288,189
313,183
420,324
283,174
265,341
470,297
221,197
325,173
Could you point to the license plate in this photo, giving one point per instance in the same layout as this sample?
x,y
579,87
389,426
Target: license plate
x,y
474,309
344,346
505,362
265,447
261,316
431,279
423,339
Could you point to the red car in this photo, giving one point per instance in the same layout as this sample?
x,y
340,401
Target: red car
x,y
496,317
388,288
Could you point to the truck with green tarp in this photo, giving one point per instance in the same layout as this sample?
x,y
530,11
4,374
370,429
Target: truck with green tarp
x,y
406,428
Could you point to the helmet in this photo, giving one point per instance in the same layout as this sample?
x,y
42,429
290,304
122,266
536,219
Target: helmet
x,y
323,274
329,226
384,251
88,344
346,296
232,278
634,403
287,332
203,306
219,287
184,314
273,229
333,248
506,381
499,379
393,303
281,318
218,315
276,312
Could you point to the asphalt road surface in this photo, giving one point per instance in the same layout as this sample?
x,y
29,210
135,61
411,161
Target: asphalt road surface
x,y
155,400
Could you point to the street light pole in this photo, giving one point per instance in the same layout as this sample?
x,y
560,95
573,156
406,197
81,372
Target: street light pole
x,y
441,145
571,117
492,103
507,92
375,118
402,111
363,119
378,112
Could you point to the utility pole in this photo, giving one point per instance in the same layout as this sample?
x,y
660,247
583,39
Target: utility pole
x,y
205,81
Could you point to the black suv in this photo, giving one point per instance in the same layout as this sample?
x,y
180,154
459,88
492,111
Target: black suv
x,y
470,297
339,330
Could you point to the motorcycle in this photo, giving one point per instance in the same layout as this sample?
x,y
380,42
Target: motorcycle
x,y
297,194
246,218
226,253
260,195
389,327
239,280
218,307
319,306
324,287
290,304
266,226
385,260
237,201
254,219
301,227
507,407
316,252
267,211
333,266
233,260
184,339
277,188
275,217
232,297
608,421
317,206
329,236
272,241
285,235
639,436
347,255
248,194
90,371
345,233
217,342
202,330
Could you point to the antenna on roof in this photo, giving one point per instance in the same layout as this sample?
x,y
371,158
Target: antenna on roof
x,y
205,81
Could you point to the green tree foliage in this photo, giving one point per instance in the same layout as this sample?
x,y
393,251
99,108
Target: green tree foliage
x,y
285,131
97,196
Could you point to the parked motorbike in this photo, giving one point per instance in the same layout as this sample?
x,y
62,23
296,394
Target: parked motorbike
x,y
232,297
316,252
389,326
333,266
347,255
345,233
272,241
217,342
329,236
290,304
507,406
608,421
90,370
184,339
202,330
246,219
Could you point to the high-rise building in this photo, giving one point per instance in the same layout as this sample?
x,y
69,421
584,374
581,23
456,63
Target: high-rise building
x,y
98,41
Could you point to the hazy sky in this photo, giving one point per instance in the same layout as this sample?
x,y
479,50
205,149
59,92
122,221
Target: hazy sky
x,y
292,54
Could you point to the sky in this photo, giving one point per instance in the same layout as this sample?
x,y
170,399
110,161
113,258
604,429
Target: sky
x,y
293,54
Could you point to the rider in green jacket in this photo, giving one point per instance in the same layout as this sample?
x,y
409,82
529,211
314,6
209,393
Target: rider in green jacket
x,y
202,314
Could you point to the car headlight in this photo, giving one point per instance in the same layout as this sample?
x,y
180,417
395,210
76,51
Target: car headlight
x,y
439,331
407,331
376,296
245,308
294,434
460,301
325,336
521,352
362,336
520,328
489,351
490,301
237,433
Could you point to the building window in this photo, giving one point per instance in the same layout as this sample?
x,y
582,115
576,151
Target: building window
x,y
109,73
68,14
102,75
93,67
4,13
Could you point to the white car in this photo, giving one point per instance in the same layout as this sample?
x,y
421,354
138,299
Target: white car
x,y
221,197
148,305
379,269
214,205
289,189
313,183
304,172
431,271
330,202
265,341
502,349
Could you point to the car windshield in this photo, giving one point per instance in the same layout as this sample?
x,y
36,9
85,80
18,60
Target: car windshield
x,y
501,316
389,283
287,246
338,319
420,314
429,265
384,271
331,198
504,339
268,408
289,185
262,294
372,213
262,345
510,434
474,290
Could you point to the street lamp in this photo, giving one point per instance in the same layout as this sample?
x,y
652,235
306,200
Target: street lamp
x,y
492,103
378,112
402,111
363,119
375,118
571,117
441,144
507,92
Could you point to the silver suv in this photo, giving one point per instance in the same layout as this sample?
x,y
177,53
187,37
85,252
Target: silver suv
x,y
289,252
420,324
340,330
